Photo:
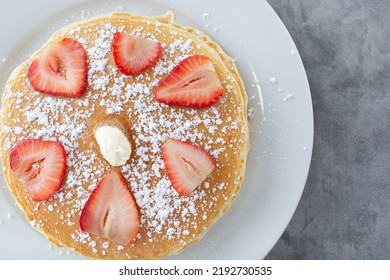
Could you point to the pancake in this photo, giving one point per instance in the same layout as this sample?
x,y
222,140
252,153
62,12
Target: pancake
x,y
169,222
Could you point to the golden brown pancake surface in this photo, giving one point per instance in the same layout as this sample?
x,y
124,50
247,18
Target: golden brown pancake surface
x,y
169,222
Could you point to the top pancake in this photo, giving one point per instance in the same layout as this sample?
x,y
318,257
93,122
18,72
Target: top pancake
x,y
169,222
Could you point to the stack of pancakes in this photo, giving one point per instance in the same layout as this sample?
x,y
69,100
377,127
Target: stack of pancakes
x,y
168,222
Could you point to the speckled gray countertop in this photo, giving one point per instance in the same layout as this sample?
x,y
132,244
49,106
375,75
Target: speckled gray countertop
x,y
344,212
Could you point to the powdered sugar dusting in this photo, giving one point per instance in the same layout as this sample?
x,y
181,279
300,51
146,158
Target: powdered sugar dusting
x,y
112,93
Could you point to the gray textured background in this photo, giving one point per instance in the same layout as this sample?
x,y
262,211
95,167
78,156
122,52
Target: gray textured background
x,y
344,212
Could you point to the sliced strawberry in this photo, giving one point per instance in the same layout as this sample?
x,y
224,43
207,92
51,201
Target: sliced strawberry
x,y
191,83
60,69
133,54
186,165
110,211
40,166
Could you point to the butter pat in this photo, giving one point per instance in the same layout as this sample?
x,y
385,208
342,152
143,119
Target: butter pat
x,y
114,145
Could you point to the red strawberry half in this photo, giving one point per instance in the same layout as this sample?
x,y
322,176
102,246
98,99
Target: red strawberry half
x,y
40,166
186,165
60,69
133,54
192,83
110,211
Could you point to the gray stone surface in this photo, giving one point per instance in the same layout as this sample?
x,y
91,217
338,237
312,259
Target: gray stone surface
x,y
344,212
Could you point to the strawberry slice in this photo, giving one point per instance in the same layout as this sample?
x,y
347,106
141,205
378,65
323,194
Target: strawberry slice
x,y
110,211
186,165
191,83
133,54
60,69
40,166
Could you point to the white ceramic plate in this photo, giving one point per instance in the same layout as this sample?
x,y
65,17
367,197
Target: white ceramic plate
x,y
281,116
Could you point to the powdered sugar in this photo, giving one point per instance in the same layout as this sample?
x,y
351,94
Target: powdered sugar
x,y
112,93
